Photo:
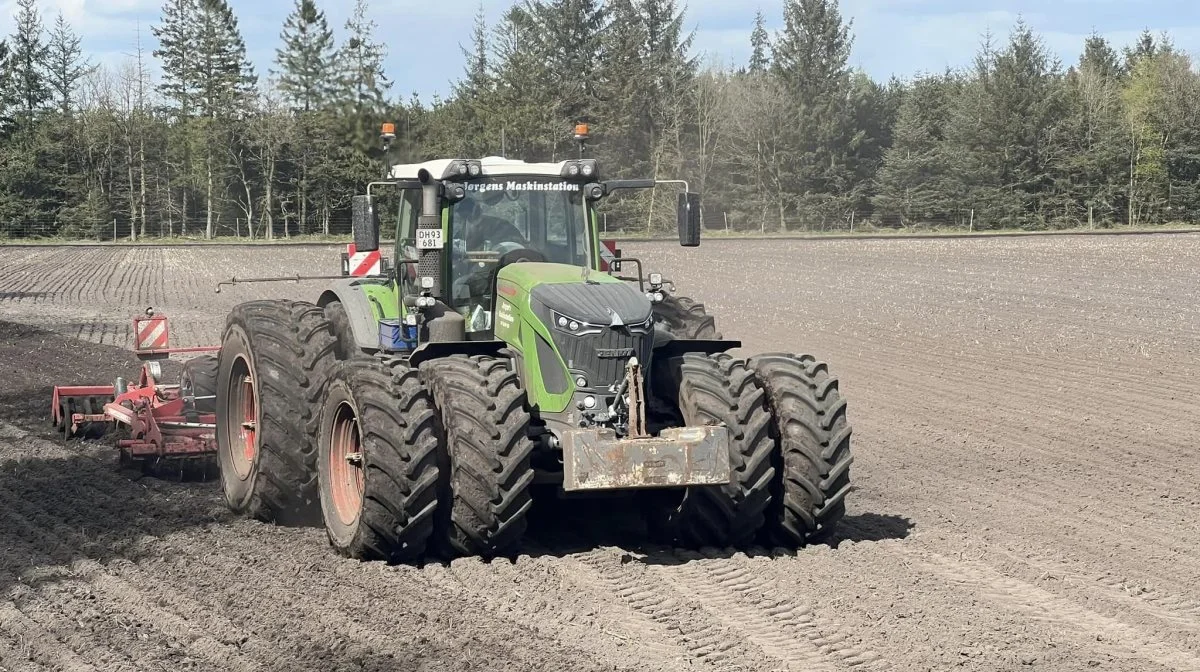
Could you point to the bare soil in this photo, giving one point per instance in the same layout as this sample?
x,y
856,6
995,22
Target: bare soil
x,y
1026,483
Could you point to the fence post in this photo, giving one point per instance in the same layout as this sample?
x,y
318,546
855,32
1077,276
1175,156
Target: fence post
x,y
972,220
114,229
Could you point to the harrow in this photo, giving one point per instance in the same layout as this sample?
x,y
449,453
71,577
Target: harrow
x,y
162,423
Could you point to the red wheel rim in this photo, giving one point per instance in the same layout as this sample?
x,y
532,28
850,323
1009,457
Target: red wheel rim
x,y
345,465
245,413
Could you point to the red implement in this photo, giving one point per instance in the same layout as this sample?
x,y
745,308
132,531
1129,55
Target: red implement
x,y
160,421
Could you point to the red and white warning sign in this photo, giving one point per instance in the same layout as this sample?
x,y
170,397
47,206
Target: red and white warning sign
x,y
151,332
608,254
362,263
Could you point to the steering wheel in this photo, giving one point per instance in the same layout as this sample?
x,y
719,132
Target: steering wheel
x,y
517,256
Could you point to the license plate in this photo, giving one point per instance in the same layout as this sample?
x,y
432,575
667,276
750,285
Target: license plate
x,y
429,239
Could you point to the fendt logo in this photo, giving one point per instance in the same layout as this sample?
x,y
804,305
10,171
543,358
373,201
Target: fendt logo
x,y
614,353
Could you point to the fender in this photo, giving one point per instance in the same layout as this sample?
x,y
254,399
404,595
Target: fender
x,y
364,312
678,346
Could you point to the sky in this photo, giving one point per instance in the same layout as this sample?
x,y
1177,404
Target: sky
x,y
892,37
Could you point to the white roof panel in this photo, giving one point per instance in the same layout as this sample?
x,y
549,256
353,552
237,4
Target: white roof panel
x,y
492,166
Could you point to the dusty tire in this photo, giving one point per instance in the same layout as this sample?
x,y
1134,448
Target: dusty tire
x,y
339,320
273,363
813,458
382,505
198,379
709,389
686,319
485,496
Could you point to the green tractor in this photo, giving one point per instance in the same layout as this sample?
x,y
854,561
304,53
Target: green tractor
x,y
498,354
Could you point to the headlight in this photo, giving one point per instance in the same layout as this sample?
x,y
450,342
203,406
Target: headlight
x,y
568,324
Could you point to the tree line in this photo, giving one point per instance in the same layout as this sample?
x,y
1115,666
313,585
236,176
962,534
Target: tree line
x,y
792,139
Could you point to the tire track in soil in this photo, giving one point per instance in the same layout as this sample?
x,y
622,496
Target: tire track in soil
x,y
58,592
174,625
43,646
584,625
342,617
15,656
778,618
1043,606
993,503
705,634
1172,610
1016,431
180,633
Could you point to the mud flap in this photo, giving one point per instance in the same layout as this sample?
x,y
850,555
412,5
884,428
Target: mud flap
x,y
595,459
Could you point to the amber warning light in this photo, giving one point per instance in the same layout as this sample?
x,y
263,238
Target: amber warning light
x,y
581,131
388,131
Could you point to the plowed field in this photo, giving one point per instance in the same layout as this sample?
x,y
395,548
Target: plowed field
x,y
1025,465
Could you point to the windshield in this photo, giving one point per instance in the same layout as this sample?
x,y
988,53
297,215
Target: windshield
x,y
533,219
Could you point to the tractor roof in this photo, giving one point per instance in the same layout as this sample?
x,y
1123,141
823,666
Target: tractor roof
x,y
492,166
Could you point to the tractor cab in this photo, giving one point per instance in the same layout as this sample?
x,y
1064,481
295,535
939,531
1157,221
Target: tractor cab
x,y
508,212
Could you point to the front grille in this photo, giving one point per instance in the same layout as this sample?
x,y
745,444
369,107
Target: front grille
x,y
582,353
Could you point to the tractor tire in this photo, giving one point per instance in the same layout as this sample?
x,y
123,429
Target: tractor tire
x,y
686,319
378,461
273,367
347,347
808,418
712,389
485,497
198,379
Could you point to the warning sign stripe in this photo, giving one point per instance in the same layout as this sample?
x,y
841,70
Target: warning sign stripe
x,y
607,255
153,335
363,263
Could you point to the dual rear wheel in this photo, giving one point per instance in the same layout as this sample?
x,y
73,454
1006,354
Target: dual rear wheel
x,y
397,463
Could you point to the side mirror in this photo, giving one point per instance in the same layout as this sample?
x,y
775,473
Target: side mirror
x,y
689,219
365,223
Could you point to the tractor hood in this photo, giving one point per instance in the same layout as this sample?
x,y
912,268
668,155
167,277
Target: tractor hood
x,y
576,293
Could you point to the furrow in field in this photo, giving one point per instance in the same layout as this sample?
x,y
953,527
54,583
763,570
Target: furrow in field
x,y
1045,607
533,588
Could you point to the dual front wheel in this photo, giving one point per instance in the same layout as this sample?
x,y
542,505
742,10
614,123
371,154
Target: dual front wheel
x,y
399,463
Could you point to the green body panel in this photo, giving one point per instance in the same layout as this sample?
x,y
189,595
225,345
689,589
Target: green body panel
x,y
520,328
528,275
383,300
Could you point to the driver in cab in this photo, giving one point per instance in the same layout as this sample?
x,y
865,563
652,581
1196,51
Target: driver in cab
x,y
482,231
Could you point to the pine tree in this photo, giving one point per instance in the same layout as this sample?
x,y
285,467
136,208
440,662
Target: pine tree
x,y
1095,169
529,107
760,44
475,84
308,79
224,84
568,35
916,185
364,94
469,129
7,91
67,65
623,86
811,57
30,59
361,59
178,38
307,75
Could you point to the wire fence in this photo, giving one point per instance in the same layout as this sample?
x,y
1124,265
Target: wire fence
x,y
338,228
